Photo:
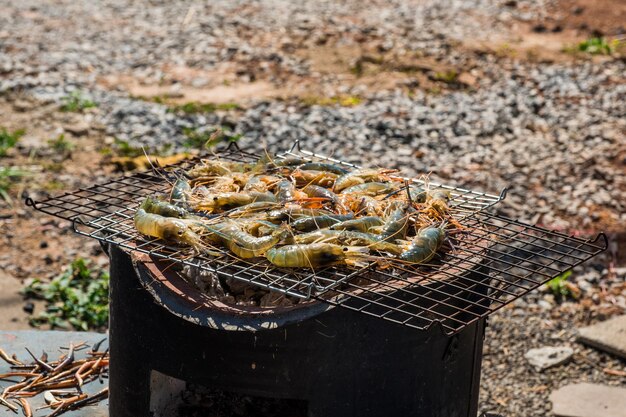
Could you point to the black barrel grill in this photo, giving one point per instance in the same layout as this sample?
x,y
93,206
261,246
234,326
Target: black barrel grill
x,y
422,359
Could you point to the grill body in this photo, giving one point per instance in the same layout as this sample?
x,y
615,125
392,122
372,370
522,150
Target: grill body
x,y
337,361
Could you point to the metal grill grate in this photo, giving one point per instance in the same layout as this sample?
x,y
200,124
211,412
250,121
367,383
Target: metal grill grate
x,y
495,260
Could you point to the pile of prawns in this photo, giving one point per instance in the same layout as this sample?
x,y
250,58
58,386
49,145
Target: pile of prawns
x,y
300,214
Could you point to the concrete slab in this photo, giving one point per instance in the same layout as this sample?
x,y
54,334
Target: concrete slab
x,y
609,336
50,341
589,400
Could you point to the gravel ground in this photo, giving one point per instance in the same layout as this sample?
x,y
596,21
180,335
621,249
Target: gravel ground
x,y
554,135
553,132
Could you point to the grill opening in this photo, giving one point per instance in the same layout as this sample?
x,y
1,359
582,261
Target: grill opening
x,y
200,401
495,259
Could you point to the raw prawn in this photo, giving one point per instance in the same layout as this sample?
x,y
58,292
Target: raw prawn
x,y
424,245
180,193
167,228
362,224
306,224
163,208
361,176
307,177
396,222
244,244
344,237
312,255
227,201
370,188
320,166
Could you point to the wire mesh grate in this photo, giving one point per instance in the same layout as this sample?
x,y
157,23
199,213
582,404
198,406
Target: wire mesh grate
x,y
495,260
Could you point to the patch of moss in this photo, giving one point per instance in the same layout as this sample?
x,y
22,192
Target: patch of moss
x,y
344,101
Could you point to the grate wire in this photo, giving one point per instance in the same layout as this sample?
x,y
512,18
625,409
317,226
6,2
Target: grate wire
x,y
495,259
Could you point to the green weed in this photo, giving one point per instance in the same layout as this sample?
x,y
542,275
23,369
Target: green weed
x,y
561,287
208,139
358,69
53,185
75,102
344,101
598,46
8,175
9,139
594,46
55,167
195,107
125,149
61,145
448,77
159,99
78,298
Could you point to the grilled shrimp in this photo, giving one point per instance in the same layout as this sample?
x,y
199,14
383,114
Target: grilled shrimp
x,y
287,162
227,201
361,205
307,177
320,166
396,222
316,236
306,224
370,188
252,208
163,208
362,224
441,195
210,167
260,183
259,228
344,237
417,194
244,244
424,245
180,193
368,240
317,191
438,201
313,255
285,191
360,176
290,213
167,228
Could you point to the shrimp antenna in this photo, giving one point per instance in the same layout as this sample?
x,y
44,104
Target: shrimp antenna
x,y
156,167
408,192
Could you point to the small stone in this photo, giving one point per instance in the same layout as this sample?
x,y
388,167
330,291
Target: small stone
x,y
22,105
467,79
29,307
589,400
78,129
609,336
548,356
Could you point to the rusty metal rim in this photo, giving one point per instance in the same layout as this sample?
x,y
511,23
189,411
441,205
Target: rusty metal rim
x,y
173,292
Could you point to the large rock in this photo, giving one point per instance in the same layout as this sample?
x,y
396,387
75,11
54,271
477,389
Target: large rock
x,y
589,400
609,336
548,356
